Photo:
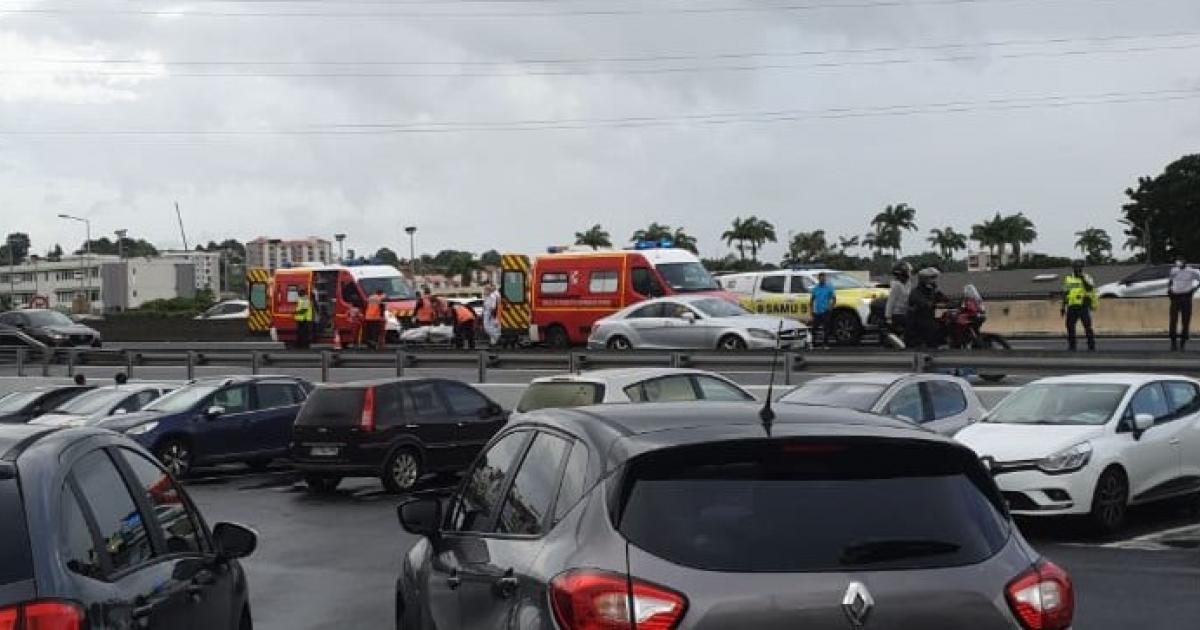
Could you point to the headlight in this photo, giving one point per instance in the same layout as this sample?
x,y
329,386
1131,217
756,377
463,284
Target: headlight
x,y
142,428
56,335
1067,460
867,301
759,333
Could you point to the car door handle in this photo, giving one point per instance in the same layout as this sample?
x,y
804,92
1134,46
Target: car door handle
x,y
507,585
454,581
412,426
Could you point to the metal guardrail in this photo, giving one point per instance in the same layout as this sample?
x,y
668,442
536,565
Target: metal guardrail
x,y
485,362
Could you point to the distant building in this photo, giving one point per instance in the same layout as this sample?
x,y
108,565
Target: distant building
x,y
98,282
208,267
440,284
273,253
987,261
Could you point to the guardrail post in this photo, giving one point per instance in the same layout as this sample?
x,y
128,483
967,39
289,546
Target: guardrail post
x,y
191,365
919,360
128,363
789,364
71,362
572,363
324,366
675,360
482,367
255,361
401,359
20,361
47,357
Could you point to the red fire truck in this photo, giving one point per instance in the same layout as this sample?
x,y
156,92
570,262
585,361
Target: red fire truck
x,y
559,296
334,289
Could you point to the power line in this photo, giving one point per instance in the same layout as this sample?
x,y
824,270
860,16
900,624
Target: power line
x,y
754,8
604,71
726,118
1100,39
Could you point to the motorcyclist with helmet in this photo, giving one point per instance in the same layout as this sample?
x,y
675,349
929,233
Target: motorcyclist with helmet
x,y
921,320
896,311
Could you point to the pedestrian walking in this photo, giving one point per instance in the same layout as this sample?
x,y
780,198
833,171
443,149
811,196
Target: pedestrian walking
x,y
896,311
1079,300
921,319
303,317
823,300
491,314
374,321
464,326
1181,288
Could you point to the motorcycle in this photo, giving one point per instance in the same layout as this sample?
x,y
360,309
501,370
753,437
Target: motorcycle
x,y
961,328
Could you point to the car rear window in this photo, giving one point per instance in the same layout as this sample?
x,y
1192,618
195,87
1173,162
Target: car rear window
x,y
556,395
332,407
16,564
799,506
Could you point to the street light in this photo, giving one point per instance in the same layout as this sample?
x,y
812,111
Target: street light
x,y
341,254
87,248
412,249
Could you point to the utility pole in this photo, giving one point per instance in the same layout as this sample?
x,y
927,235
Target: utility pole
x,y
341,255
412,249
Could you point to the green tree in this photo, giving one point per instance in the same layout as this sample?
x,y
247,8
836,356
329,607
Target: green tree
x,y
654,232
55,253
594,237
947,241
386,256
890,225
738,232
847,243
760,233
1095,244
990,234
130,248
1018,230
15,248
490,258
806,248
1162,217
683,240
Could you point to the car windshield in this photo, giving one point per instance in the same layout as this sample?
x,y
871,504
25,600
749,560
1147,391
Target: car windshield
x,y
48,318
716,307
861,396
181,399
16,401
558,395
687,277
1060,404
393,287
95,401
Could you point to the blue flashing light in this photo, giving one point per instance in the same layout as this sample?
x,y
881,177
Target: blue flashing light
x,y
665,243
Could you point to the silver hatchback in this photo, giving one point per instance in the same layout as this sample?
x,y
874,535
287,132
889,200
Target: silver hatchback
x,y
702,517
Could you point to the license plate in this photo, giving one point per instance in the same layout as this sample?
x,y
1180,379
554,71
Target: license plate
x,y
324,451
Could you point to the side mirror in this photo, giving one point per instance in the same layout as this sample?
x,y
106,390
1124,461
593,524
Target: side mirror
x,y
1142,422
214,411
421,516
688,317
234,541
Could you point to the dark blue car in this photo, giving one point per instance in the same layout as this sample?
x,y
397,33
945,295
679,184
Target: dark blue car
x,y
238,419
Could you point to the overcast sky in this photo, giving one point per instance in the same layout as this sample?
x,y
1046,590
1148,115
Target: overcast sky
x,y
813,114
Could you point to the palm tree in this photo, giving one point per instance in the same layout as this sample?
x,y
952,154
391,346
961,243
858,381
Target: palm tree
x,y
847,243
683,240
654,232
892,223
1018,230
1095,244
595,237
760,232
806,247
739,232
990,234
947,241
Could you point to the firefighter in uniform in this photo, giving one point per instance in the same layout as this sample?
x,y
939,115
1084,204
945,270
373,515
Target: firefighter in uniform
x,y
304,319
464,326
374,319
1079,300
425,312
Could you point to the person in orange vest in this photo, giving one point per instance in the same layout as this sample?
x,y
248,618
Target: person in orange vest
x,y
464,326
374,319
354,318
425,312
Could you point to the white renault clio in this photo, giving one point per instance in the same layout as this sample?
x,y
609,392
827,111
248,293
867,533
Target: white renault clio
x,y
1092,445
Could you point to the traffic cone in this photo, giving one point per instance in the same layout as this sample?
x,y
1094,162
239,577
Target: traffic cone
x,y
337,339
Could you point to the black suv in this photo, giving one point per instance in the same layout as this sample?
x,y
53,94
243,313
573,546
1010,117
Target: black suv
x,y
95,534
396,429
700,517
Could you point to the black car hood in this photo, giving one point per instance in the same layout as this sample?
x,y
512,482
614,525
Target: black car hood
x,y
127,421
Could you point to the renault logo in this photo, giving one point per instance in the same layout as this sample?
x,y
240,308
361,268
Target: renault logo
x,y
857,604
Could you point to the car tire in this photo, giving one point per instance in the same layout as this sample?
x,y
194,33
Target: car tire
x,y
176,456
619,343
322,484
556,338
402,471
731,343
1110,502
847,330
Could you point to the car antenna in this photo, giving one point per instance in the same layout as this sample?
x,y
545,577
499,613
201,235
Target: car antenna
x,y
767,414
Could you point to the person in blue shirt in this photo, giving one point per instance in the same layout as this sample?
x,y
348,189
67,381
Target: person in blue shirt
x,y
823,300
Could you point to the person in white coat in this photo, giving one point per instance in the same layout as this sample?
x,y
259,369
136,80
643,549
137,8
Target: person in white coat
x,y
491,314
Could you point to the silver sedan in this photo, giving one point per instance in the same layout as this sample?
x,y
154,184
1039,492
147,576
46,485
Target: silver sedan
x,y
940,403
697,322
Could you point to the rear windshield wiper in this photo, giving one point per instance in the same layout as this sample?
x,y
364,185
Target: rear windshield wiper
x,y
872,551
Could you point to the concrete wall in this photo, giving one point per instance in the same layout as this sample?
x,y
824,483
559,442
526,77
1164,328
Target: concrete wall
x,y
1144,316
138,328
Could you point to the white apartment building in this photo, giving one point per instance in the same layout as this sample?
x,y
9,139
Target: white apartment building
x,y
273,253
98,283
208,267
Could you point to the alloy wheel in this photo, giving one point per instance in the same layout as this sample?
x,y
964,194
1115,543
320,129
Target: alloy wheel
x,y
1110,501
176,458
405,470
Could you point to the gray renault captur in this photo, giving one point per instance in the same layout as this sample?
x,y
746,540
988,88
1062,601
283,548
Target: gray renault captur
x,y
675,516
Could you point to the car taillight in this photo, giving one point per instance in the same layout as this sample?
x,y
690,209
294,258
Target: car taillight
x,y
367,422
1042,598
42,616
597,600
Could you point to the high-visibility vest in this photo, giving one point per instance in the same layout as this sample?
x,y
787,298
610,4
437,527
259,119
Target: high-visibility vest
x,y
303,309
1076,291
463,315
374,309
425,312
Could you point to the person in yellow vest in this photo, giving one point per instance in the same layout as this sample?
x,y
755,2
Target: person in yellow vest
x,y
375,321
304,319
1079,300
